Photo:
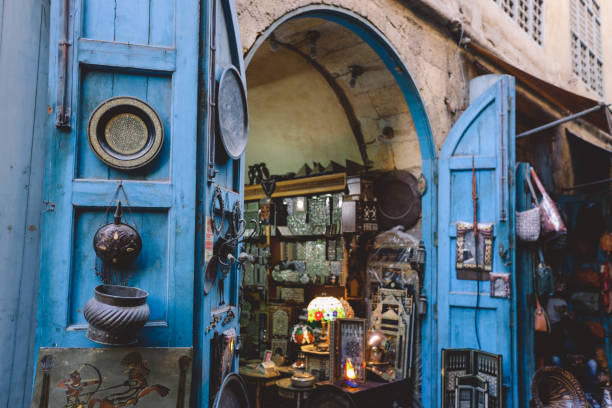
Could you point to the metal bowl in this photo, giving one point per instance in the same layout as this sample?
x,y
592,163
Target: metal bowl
x,y
302,380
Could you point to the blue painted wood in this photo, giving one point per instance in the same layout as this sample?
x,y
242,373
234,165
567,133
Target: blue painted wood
x,y
131,56
484,132
80,186
230,179
23,111
525,258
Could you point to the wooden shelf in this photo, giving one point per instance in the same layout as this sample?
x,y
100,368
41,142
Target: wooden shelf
x,y
326,183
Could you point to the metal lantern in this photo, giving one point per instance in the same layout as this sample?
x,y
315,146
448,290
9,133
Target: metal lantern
x,y
117,243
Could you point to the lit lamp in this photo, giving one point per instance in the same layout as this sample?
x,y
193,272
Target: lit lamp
x,y
325,309
301,334
349,374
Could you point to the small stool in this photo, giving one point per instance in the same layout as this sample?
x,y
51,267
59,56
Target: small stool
x,y
287,390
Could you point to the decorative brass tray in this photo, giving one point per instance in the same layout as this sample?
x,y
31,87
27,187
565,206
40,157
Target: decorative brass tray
x,y
125,132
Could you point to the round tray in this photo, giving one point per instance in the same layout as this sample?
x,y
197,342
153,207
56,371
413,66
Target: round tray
x,y
232,113
125,132
232,393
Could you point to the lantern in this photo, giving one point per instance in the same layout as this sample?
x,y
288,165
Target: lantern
x,y
349,374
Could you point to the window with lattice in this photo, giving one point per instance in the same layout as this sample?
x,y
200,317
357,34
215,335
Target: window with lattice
x,y
585,26
528,14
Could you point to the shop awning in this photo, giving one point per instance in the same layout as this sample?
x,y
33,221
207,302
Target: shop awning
x,y
567,102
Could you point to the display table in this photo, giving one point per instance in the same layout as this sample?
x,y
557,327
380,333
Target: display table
x,y
317,361
374,393
251,375
287,390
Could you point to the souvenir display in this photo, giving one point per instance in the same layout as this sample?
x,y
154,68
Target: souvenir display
x,y
317,362
297,213
393,313
232,112
500,285
347,353
295,295
107,377
474,261
115,314
471,378
125,133
279,317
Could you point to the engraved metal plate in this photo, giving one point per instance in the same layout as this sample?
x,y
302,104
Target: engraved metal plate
x,y
109,378
232,394
125,133
232,113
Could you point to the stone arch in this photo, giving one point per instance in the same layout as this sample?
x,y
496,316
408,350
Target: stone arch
x,y
257,24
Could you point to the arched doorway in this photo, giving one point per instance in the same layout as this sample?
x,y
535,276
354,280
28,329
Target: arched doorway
x,y
291,32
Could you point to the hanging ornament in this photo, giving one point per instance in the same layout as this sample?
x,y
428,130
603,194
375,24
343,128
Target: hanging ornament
x,y
117,243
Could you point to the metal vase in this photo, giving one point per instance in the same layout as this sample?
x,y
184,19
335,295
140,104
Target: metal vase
x,y
115,314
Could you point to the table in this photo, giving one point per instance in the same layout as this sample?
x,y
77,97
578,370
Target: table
x,y
299,393
260,380
376,393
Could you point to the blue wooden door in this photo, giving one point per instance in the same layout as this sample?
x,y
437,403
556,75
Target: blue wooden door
x,y
217,172
483,135
146,49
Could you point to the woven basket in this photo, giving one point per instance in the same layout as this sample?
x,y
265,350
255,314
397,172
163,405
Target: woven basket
x,y
528,224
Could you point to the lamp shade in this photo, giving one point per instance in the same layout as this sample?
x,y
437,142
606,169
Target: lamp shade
x,y
326,308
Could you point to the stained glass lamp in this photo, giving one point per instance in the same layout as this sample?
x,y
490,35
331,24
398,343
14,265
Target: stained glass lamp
x,y
325,309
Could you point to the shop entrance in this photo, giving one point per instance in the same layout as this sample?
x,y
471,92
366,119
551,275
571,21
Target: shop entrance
x,y
332,110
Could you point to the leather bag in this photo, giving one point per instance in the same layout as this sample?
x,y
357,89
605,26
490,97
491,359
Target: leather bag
x,y
541,322
544,276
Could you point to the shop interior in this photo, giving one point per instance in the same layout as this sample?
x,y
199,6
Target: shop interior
x,y
564,281
332,209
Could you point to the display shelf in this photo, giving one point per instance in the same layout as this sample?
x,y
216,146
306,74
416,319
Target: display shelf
x,y
326,183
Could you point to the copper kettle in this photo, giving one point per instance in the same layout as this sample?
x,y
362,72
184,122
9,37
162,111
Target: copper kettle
x,y
117,243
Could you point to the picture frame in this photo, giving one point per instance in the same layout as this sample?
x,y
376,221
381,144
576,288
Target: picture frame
x,y
500,285
347,340
279,320
468,267
267,357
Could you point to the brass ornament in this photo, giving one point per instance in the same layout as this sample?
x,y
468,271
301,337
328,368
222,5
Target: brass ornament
x,y
125,133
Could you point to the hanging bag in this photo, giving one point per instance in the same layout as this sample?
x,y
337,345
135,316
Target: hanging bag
x,y
528,221
544,276
552,224
541,321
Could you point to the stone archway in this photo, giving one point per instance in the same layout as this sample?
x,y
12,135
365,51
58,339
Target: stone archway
x,y
257,24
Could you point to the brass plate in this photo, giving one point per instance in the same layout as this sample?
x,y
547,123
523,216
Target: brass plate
x,y
125,132
117,377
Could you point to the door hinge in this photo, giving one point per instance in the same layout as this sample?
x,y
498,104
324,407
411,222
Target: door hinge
x,y
435,238
48,206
